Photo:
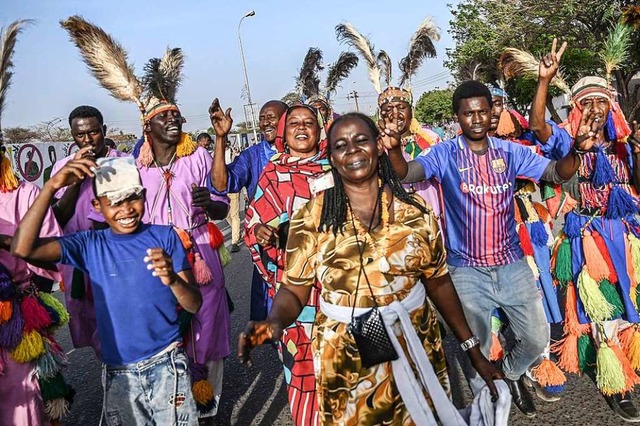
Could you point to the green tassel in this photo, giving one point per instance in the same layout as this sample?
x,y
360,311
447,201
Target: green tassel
x,y
593,300
54,388
77,284
547,191
496,324
611,294
54,304
225,256
610,376
586,353
184,319
563,270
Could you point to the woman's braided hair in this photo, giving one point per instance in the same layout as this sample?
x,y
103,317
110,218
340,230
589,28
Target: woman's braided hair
x,y
334,209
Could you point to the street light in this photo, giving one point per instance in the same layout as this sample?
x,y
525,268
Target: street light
x,y
246,79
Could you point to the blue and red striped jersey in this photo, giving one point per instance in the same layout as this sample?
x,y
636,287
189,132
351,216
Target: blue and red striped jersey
x,y
478,190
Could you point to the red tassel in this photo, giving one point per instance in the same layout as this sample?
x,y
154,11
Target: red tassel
x,y
505,124
191,258
567,351
201,270
35,315
593,259
543,213
619,122
572,325
497,352
216,239
525,240
6,309
604,251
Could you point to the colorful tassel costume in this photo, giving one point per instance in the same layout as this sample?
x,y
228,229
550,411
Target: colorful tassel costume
x,y
594,256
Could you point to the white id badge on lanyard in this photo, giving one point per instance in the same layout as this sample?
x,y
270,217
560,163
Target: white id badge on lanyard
x,y
321,183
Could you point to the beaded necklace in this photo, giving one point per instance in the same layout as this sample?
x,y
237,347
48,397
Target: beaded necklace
x,y
167,176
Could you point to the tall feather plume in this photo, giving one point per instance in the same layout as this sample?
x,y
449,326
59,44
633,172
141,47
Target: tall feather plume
x,y
340,70
162,77
420,47
308,82
631,16
347,33
384,61
616,48
106,59
518,63
7,47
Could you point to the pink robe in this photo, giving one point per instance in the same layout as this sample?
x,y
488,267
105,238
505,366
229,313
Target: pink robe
x,y
20,397
210,327
82,325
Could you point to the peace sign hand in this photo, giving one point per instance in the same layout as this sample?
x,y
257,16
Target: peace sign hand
x,y
588,129
221,121
389,133
634,139
551,62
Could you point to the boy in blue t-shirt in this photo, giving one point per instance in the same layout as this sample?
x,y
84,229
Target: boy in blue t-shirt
x,y
139,275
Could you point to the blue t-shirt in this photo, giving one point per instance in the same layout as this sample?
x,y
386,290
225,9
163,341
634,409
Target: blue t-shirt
x,y
136,314
478,197
246,169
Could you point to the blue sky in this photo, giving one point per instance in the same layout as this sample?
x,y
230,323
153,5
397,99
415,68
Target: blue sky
x,y
50,78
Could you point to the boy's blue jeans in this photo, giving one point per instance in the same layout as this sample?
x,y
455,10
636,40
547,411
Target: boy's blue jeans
x,y
154,391
513,288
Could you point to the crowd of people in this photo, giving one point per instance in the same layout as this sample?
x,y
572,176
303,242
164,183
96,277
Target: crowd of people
x,y
370,240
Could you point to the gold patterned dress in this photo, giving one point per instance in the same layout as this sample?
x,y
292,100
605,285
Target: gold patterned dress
x,y
348,393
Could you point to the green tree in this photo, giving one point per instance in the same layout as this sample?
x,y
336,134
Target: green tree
x,y
482,29
434,106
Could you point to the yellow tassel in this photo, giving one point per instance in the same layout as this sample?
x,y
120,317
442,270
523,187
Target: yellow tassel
x,y
8,179
186,146
630,377
534,268
610,377
30,348
202,392
547,373
594,301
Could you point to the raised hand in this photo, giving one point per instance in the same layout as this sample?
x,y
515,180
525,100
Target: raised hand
x,y
588,130
75,171
221,121
200,196
161,265
550,63
634,139
389,133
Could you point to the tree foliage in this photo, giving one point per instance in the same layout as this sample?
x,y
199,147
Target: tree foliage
x,y
19,134
482,29
434,106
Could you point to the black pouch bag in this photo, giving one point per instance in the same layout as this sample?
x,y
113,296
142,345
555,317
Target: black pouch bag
x,y
372,339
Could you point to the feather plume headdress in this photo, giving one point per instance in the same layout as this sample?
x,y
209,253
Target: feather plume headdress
x,y
8,179
308,81
518,63
154,93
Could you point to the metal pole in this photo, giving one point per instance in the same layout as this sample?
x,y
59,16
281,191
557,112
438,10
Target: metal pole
x,y
246,78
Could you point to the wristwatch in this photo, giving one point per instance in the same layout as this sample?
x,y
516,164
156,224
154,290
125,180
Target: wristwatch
x,y
470,343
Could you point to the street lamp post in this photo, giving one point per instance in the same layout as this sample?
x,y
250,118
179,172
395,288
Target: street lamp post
x,y
246,78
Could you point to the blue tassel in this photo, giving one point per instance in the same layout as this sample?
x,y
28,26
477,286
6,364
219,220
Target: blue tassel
x,y
621,204
603,172
136,149
572,226
7,289
554,389
12,330
610,129
538,233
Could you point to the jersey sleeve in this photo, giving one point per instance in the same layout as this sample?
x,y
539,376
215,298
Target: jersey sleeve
x,y
74,249
238,174
432,161
302,249
528,165
177,252
558,145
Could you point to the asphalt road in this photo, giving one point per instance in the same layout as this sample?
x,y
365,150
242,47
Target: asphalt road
x,y
256,395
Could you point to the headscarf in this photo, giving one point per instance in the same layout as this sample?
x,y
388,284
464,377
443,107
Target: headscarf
x,y
282,189
616,127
